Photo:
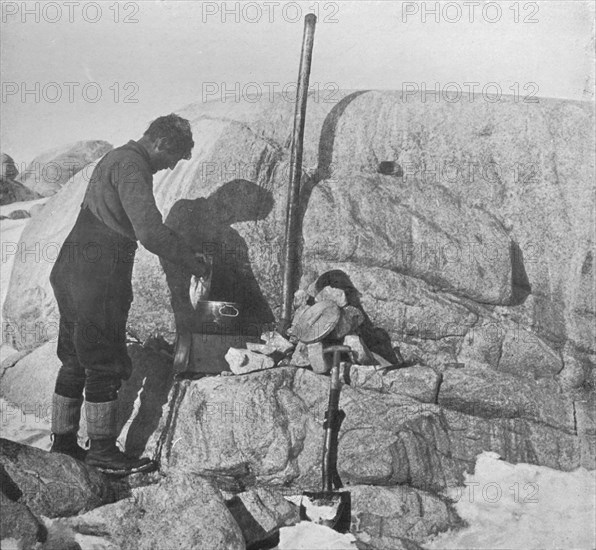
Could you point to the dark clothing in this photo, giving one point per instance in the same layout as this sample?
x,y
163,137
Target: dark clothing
x,y
120,194
92,284
92,275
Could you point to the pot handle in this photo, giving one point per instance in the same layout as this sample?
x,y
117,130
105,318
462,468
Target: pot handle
x,y
234,313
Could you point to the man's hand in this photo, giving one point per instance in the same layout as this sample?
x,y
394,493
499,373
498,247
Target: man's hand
x,y
202,266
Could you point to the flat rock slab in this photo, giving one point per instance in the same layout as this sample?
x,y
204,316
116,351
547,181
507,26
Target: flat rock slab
x,y
54,484
180,512
243,361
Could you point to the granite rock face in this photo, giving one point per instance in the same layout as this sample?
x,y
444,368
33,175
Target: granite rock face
x,y
180,512
266,428
477,243
466,232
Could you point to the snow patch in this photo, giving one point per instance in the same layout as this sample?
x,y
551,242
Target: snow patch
x,y
522,506
311,536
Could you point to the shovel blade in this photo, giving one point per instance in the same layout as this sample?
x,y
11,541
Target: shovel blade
x,y
332,509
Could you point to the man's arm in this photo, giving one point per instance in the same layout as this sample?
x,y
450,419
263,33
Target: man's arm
x,y
135,188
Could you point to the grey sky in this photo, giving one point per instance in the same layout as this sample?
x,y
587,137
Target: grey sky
x,y
177,51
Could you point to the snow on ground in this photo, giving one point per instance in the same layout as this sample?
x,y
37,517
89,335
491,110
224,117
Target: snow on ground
x,y
522,506
17,424
311,536
24,426
10,233
31,427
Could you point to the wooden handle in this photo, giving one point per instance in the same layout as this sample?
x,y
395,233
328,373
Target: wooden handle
x,y
292,210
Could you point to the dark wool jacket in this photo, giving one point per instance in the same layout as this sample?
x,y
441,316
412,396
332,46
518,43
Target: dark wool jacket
x,y
120,194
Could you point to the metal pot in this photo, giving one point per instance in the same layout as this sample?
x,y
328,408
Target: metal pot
x,y
218,318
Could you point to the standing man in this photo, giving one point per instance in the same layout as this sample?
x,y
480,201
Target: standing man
x,y
91,280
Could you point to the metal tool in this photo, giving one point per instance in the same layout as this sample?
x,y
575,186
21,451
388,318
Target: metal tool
x,y
329,507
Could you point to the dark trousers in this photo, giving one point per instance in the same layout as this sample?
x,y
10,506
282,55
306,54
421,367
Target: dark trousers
x,y
91,280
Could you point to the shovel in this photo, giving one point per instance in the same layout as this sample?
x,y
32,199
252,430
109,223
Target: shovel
x,y
329,507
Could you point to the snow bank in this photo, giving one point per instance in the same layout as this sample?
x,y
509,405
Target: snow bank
x,y
311,536
523,506
10,234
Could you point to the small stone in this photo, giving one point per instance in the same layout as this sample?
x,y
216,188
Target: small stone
x,y
312,290
330,294
242,361
300,356
351,318
317,359
362,354
300,298
277,341
263,349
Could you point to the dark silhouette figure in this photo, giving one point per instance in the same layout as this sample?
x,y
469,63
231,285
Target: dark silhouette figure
x,y
206,224
152,375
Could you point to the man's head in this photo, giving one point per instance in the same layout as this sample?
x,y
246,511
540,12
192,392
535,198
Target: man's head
x,y
168,140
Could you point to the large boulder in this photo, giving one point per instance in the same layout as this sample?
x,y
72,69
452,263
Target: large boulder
x,y
448,217
181,512
53,484
266,428
48,172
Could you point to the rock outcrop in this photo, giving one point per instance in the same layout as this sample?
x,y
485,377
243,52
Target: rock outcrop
x,y
477,243
12,190
181,512
465,231
266,427
48,172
